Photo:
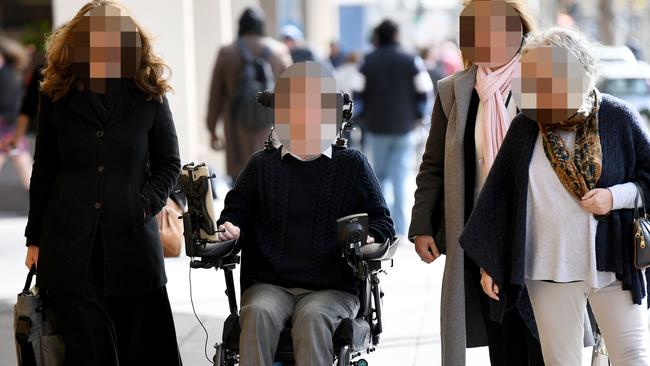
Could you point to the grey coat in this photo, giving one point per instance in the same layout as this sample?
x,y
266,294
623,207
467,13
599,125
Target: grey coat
x,y
441,181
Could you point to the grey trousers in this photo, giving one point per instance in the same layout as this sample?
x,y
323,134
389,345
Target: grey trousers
x,y
559,309
314,316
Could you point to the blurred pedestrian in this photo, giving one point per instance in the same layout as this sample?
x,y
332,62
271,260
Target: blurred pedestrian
x,y
348,76
337,56
351,81
13,145
555,216
472,112
106,160
441,61
394,93
300,50
232,90
29,106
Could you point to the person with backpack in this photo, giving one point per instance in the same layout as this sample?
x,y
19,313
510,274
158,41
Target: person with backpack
x,y
249,65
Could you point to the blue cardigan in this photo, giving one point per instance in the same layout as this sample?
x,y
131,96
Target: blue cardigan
x,y
495,235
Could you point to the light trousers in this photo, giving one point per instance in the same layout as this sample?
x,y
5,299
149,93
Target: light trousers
x,y
314,316
559,310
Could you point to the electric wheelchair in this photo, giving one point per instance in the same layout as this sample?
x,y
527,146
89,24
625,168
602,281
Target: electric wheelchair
x,y
352,338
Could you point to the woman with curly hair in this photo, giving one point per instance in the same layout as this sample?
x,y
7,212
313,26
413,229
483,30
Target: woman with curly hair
x,y
106,160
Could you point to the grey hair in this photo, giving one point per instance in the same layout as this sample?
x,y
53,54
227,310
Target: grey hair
x,y
574,42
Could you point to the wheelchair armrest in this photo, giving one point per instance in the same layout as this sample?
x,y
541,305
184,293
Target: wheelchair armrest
x,y
216,250
379,251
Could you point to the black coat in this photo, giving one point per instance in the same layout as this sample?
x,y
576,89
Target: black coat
x,y
391,104
93,171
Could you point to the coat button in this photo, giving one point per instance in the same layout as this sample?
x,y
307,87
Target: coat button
x,y
100,133
100,168
98,205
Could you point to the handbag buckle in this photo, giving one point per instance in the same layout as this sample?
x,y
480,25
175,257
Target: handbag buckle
x,y
22,328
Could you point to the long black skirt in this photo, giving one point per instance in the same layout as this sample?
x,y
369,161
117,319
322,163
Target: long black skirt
x,y
100,330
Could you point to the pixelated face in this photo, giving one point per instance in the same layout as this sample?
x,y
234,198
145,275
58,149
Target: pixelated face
x,y
552,85
490,32
106,44
307,108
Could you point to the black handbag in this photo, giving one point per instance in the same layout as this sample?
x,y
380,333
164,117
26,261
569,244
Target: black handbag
x,y
641,233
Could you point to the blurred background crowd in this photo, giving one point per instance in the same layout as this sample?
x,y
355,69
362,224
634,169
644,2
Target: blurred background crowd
x,y
189,35
339,33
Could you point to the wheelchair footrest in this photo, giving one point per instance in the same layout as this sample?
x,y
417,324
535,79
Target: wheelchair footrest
x,y
354,333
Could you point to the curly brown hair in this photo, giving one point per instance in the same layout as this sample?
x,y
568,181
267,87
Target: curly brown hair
x,y
59,76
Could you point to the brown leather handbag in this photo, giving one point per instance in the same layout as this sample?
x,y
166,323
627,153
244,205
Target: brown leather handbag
x,y
170,229
641,233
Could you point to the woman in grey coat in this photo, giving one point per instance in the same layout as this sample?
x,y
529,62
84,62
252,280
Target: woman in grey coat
x,y
472,113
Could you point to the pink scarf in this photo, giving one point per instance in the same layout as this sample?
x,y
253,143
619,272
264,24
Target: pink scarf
x,y
492,87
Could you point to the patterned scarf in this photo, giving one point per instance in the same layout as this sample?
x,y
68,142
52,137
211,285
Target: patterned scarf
x,y
579,172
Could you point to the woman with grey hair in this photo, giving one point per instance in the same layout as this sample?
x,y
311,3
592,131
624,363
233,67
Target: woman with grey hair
x,y
555,216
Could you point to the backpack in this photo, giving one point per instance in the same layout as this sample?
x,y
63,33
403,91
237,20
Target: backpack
x,y
256,76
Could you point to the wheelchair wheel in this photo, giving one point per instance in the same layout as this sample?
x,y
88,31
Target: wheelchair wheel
x,y
344,356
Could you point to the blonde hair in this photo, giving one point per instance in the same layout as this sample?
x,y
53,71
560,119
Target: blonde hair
x,y
527,21
59,78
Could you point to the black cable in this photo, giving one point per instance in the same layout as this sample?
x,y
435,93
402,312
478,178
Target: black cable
x,y
205,346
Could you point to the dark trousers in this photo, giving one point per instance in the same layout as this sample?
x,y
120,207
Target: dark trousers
x,y
100,330
511,342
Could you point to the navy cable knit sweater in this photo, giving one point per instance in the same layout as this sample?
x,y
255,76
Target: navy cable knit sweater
x,y
287,211
495,235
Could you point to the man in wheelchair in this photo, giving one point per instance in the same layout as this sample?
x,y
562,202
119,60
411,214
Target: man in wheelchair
x,y
283,210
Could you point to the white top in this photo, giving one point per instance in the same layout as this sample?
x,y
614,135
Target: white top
x,y
560,235
479,139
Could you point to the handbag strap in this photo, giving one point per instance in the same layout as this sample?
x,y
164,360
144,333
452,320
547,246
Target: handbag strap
x,y
30,277
639,191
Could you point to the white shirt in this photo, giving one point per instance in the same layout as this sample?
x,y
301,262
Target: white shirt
x,y
560,235
327,153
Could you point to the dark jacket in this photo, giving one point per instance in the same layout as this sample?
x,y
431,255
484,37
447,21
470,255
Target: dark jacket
x,y
90,173
495,236
391,105
260,205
